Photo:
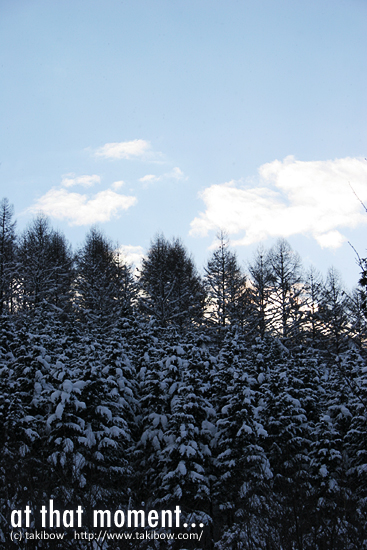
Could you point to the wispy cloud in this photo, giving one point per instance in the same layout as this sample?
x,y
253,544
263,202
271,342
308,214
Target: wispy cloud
x,y
117,185
292,197
135,149
176,174
149,178
83,209
70,180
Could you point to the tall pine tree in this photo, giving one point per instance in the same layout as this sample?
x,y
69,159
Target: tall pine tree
x,y
226,285
172,291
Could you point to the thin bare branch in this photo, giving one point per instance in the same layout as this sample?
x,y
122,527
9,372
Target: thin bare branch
x,y
364,206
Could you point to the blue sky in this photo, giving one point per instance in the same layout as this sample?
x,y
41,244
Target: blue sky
x,y
184,117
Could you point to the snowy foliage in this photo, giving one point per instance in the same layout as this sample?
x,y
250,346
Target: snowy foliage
x,y
120,393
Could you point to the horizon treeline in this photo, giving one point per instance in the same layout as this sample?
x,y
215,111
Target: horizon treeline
x,y
239,396
275,296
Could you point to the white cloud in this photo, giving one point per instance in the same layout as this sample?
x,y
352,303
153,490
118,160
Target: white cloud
x,y
117,185
293,197
332,239
176,174
149,178
82,209
132,254
69,180
135,149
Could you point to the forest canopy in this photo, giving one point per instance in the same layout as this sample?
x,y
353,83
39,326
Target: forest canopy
x,y
239,395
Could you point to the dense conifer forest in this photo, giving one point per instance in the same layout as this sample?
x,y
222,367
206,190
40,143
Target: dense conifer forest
x,y
239,395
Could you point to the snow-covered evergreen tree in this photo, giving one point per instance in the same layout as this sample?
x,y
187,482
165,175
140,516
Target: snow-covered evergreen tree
x,y
226,286
260,289
185,458
243,467
287,290
25,377
334,312
288,416
104,288
172,291
45,266
313,294
7,257
357,318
